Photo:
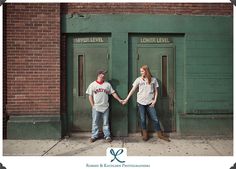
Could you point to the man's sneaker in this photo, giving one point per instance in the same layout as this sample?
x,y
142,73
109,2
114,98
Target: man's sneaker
x,y
108,139
93,139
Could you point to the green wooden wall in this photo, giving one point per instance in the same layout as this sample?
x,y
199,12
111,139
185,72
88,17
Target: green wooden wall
x,y
203,65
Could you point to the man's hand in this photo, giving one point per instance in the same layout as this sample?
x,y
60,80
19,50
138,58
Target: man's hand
x,y
153,103
124,101
120,101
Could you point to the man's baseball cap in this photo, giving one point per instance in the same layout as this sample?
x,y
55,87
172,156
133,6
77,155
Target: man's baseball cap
x,y
101,71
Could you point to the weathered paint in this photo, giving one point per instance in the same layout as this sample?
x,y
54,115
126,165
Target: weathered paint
x,y
34,127
95,57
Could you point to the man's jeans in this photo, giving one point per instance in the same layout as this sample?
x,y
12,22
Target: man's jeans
x,y
95,122
143,109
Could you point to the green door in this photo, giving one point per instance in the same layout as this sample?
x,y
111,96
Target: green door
x,y
160,60
87,59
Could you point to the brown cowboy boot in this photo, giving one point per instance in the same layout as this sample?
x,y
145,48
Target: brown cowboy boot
x,y
145,135
161,136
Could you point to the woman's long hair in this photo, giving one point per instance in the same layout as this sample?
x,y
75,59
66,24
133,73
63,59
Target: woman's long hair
x,y
148,74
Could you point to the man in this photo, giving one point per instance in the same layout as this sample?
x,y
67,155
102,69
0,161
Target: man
x,y
98,92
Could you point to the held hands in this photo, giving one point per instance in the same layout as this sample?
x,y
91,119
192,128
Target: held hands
x,y
123,102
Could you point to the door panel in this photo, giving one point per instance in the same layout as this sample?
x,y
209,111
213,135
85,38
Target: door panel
x,y
87,60
160,60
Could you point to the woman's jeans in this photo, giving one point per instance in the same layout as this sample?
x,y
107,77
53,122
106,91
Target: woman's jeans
x,y
143,109
95,122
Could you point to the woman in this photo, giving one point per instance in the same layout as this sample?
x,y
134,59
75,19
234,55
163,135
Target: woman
x,y
147,98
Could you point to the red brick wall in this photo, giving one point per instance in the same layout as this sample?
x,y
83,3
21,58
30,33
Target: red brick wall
x,y
151,8
34,72
32,53
4,119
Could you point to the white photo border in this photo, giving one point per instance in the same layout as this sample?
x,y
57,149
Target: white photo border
x,y
77,162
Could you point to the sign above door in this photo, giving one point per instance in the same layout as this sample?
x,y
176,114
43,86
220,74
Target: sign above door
x,y
156,40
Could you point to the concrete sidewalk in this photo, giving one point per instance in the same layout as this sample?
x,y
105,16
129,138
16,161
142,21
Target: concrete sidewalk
x,y
80,146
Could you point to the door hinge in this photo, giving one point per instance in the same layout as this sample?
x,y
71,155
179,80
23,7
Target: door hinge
x,y
108,56
138,56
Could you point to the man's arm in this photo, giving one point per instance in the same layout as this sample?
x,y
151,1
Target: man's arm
x,y
91,100
116,97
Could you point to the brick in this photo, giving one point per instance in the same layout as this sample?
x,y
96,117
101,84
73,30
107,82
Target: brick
x,y
34,63
154,8
32,37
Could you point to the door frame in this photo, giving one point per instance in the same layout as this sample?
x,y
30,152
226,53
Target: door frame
x,y
68,117
85,50
133,74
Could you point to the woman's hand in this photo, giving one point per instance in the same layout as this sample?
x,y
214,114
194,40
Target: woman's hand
x,y
121,101
125,101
